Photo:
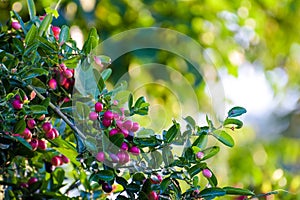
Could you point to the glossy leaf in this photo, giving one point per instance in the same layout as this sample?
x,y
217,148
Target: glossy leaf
x,y
99,80
20,126
31,9
196,169
31,35
236,111
45,24
106,74
35,72
212,192
223,137
139,176
210,152
38,109
117,139
72,62
64,35
172,133
230,121
105,175
237,191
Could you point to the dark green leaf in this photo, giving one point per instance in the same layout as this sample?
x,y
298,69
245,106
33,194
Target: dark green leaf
x,y
117,139
72,62
20,126
147,142
156,160
172,133
24,143
212,192
20,21
31,35
164,184
201,141
39,85
35,72
237,191
45,24
210,152
45,44
139,176
236,111
223,137
213,180
106,74
147,186
196,169
64,35
133,187
38,109
106,175
122,181
130,101
99,80
236,122
58,177
31,9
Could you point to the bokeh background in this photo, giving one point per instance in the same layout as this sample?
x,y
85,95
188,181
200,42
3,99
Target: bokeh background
x,y
254,44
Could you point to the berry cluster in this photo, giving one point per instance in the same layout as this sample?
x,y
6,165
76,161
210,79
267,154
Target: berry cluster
x,y
63,75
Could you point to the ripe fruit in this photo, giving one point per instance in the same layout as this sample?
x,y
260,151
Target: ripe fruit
x,y
100,156
113,132
47,126
106,187
64,159
50,135
32,180
42,144
200,155
153,196
127,157
124,146
34,143
156,179
93,116
121,157
106,122
31,123
135,127
23,185
56,133
135,150
17,104
124,132
98,107
16,25
52,84
27,134
206,173
108,115
68,73
114,158
56,31
56,161
127,124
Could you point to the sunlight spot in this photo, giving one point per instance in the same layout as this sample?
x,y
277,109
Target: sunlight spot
x,y
88,5
260,156
77,35
17,6
277,174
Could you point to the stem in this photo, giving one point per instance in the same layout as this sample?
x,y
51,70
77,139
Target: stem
x,y
56,7
57,110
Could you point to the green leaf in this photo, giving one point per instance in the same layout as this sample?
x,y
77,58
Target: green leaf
x,y
106,175
117,139
31,9
58,177
82,110
212,192
164,184
223,137
106,74
39,85
64,35
172,133
45,44
213,180
34,72
133,187
99,80
24,143
209,123
139,176
54,12
201,141
210,152
91,42
238,123
236,111
91,144
151,141
31,35
156,160
167,155
38,109
72,62
20,21
190,121
237,191
45,24
130,101
196,169
20,126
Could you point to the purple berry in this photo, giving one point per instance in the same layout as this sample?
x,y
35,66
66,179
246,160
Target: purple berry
x,y
98,107
93,116
100,156
207,173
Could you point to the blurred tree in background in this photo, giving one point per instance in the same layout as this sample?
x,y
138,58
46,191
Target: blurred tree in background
x,y
261,35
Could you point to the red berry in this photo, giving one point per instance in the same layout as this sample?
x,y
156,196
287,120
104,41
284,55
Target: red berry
x,y
200,155
63,66
27,134
153,196
62,79
93,116
106,187
113,132
135,150
68,73
156,179
108,115
56,31
98,107
64,159
16,25
17,104
50,135
135,127
100,156
56,161
52,84
32,180
106,122
31,123
127,124
34,143
56,133
42,144
207,173
47,126
124,146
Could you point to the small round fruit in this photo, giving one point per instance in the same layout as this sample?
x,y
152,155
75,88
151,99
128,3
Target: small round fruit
x,y
31,124
17,104
27,134
200,155
121,156
42,144
135,150
106,122
100,156
34,144
32,180
98,107
49,167
68,73
153,196
106,187
135,127
113,131
93,116
108,115
65,159
56,161
50,135
56,133
16,25
52,84
47,126
23,185
127,124
114,158
127,157
124,146
207,173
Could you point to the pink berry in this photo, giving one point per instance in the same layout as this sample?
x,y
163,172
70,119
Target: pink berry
x,y
42,117
100,156
56,133
62,79
56,161
50,135
153,196
47,126
156,179
207,173
32,180
114,158
23,185
52,84
127,157
98,61
17,104
56,31
119,124
200,155
135,150
124,146
135,127
106,122
31,123
65,159
34,144
63,66
113,132
121,156
127,124
16,25
98,107
67,84
108,115
124,132
27,134
42,144
68,73
116,102
93,116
